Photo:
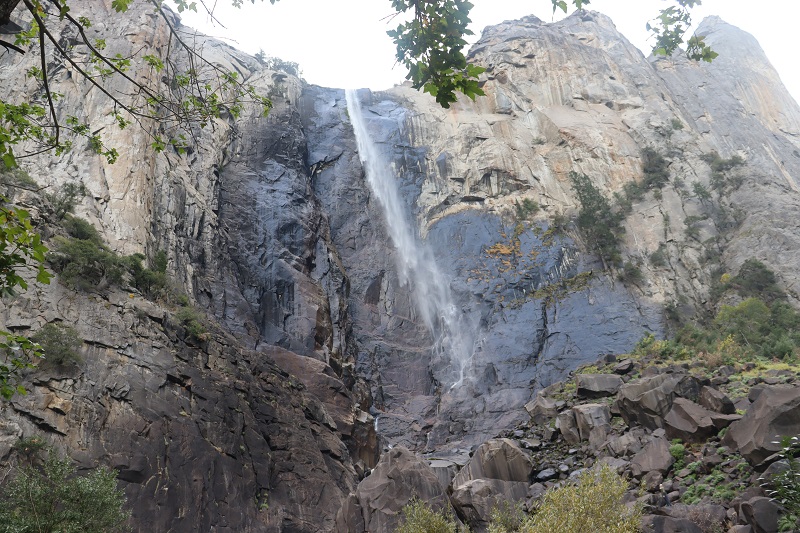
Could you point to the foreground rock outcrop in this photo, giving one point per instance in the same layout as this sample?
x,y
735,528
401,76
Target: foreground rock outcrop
x,y
703,481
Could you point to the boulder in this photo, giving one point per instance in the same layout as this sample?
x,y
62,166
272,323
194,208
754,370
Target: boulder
x,y
715,400
761,514
541,409
597,385
590,417
775,413
445,470
652,480
593,422
668,524
379,499
691,422
617,464
647,400
654,456
475,499
499,459
568,426
624,366
626,444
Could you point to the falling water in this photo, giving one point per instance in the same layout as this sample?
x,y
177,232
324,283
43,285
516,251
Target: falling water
x,y
416,266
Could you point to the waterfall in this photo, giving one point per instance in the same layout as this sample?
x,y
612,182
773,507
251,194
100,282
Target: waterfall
x,y
416,266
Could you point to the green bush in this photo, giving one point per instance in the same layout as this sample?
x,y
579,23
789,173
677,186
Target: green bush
x,y
659,257
631,273
151,282
30,447
600,225
64,200
85,264
60,344
756,280
82,229
192,321
592,503
526,209
655,168
720,168
784,486
418,517
52,498
17,178
506,518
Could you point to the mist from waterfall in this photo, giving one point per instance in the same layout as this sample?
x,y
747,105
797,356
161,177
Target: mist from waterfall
x,y
416,266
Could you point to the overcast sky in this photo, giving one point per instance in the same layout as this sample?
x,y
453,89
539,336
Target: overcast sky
x,y
344,44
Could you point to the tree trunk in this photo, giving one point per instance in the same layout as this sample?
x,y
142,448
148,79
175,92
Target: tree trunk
x,y
6,7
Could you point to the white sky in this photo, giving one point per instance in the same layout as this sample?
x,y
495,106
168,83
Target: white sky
x,y
344,43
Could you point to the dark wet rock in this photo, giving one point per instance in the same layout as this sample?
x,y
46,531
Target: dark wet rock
x,y
445,470
624,366
546,474
568,426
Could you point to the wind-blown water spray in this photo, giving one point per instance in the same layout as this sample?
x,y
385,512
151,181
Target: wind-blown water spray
x,y
416,266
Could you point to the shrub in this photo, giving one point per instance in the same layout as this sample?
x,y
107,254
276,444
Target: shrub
x,y
82,229
85,264
64,200
746,322
592,503
655,168
192,322
784,486
526,209
53,498
60,344
30,447
506,518
17,178
418,517
755,279
659,257
631,273
151,282
598,223
677,450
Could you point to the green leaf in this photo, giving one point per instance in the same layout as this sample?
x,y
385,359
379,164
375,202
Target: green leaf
x,y
120,6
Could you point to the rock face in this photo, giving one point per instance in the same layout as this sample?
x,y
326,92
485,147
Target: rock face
x,y
319,351
377,504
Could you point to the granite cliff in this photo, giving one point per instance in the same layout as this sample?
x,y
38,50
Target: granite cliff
x,y
316,354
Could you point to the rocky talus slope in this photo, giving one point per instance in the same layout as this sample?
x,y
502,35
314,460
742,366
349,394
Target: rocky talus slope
x,y
697,446
315,357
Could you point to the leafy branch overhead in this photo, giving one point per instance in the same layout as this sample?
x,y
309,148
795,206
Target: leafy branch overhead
x,y
431,44
187,97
